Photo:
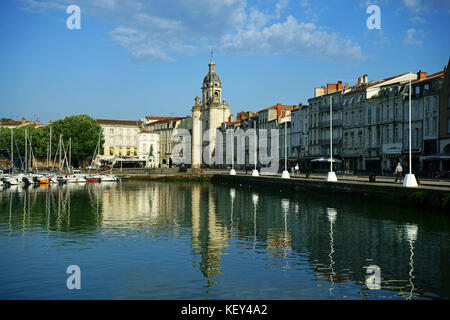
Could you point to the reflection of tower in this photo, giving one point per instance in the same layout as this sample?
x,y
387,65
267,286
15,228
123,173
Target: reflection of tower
x,y
195,203
411,236
207,234
332,213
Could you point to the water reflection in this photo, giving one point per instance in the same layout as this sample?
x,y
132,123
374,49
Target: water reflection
x,y
285,242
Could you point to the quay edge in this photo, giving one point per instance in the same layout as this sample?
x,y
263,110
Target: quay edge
x,y
432,199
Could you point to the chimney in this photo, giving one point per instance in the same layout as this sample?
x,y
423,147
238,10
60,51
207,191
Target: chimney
x,y
283,114
359,80
331,87
346,85
366,78
339,85
421,75
231,118
278,109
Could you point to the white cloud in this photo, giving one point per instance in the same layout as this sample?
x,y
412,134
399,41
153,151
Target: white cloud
x,y
158,29
291,36
413,37
413,5
417,20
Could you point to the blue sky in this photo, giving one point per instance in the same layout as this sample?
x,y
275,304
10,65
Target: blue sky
x,y
133,58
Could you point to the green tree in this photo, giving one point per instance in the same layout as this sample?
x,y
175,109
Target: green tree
x,y
82,129
84,132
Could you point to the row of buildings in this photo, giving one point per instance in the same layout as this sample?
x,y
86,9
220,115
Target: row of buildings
x,y
370,125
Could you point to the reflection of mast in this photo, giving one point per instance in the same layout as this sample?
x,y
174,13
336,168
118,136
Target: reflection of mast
x,y
411,236
255,199
332,213
285,206
10,210
232,196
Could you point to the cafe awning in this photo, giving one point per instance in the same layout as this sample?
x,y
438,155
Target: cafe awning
x,y
437,156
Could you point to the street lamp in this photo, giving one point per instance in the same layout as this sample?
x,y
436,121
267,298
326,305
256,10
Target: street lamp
x,y
331,177
285,174
255,171
410,179
232,172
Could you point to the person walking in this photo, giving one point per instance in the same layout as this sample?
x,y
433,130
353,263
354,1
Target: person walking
x,y
398,172
297,170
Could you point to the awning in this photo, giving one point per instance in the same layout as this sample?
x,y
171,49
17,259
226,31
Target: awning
x,y
326,160
437,156
372,159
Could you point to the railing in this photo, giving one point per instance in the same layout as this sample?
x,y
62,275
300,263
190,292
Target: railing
x,y
336,107
327,141
326,124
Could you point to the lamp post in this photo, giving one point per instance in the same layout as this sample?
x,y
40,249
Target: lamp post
x,y
255,171
285,174
232,172
410,179
331,177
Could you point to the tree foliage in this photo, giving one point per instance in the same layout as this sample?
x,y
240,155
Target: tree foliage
x,y
83,130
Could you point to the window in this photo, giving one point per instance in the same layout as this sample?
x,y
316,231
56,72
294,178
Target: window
x,y
396,115
448,125
378,113
417,90
111,131
396,132
369,116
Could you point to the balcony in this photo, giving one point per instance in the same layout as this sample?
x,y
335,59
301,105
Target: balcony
x,y
336,107
327,141
326,124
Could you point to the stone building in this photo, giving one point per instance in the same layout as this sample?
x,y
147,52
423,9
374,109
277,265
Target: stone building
x,y
299,131
121,143
208,114
319,121
166,128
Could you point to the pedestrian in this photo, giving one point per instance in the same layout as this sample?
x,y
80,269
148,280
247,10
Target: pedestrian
x,y
398,172
292,170
297,170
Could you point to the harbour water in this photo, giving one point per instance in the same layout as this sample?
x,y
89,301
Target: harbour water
x,y
180,240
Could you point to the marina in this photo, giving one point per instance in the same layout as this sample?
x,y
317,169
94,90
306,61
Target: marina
x,y
190,240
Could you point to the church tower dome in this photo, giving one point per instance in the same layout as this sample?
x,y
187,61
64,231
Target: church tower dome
x,y
212,86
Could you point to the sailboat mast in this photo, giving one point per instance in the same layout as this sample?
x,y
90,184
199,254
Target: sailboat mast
x,y
26,150
31,153
50,147
12,152
70,154
60,152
